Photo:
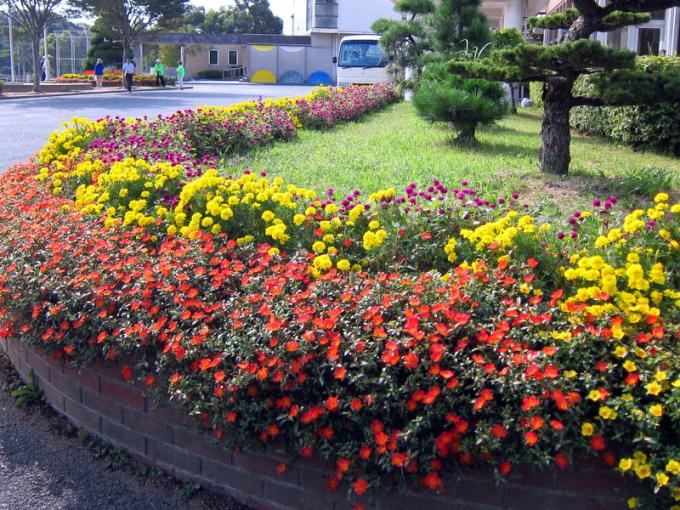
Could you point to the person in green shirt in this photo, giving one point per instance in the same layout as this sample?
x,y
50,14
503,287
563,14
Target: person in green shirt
x,y
160,73
180,74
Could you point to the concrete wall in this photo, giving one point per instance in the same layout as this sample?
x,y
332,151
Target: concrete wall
x,y
196,57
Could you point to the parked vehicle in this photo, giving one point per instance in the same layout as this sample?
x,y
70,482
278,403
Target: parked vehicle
x,y
361,60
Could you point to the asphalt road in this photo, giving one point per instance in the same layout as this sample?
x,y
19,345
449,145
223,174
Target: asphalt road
x,y
25,124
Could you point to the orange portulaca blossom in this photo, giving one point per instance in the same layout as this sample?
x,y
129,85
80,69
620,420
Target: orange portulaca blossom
x,y
391,373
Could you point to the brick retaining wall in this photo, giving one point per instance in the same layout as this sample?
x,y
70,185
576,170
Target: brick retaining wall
x,y
97,400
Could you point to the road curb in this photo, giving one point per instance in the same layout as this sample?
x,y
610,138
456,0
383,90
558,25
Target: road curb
x,y
88,93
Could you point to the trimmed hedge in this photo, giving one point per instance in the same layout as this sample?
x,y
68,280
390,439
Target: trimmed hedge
x,y
210,74
638,126
536,93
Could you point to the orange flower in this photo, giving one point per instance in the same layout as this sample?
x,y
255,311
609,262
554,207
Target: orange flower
x,y
531,438
360,486
332,404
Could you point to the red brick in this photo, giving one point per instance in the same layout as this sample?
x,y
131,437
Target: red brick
x,y
67,386
202,444
123,436
170,457
86,377
124,394
147,425
521,498
102,405
39,365
312,480
264,465
293,497
52,395
591,481
82,416
230,478
106,370
473,490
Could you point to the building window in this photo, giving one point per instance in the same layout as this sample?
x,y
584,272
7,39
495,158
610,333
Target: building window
x,y
233,57
649,40
213,58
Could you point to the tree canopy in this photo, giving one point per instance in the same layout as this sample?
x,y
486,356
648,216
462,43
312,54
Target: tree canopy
x,y
243,17
558,66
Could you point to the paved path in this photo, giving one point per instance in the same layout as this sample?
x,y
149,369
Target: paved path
x,y
25,124
42,469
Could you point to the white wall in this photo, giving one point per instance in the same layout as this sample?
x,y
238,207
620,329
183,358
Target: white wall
x,y
357,16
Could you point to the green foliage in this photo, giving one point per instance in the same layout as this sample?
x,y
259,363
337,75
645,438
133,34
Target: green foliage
x,y
536,93
463,103
415,7
458,25
561,20
243,17
618,19
656,125
506,38
2,86
114,458
169,55
104,47
28,393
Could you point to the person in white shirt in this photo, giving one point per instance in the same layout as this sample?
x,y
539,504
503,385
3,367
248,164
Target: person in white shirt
x,y
128,72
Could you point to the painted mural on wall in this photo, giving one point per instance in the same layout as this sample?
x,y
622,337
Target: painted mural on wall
x,y
290,65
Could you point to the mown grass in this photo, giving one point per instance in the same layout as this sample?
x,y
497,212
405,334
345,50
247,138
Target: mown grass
x,y
395,147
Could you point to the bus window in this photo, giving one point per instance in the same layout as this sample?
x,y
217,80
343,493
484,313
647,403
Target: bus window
x,y
361,54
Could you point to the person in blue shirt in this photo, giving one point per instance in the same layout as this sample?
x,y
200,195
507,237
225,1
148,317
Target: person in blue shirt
x,y
99,73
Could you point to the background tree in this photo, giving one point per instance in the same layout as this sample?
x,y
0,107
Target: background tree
x,y
32,16
126,19
430,35
105,46
503,39
462,102
407,41
560,65
244,17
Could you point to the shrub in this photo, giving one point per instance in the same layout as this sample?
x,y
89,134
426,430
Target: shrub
x,y
210,74
2,86
462,103
536,93
638,126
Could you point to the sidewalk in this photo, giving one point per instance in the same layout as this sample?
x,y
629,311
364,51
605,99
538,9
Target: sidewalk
x,y
94,91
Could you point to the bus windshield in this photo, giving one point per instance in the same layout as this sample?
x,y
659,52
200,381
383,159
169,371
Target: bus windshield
x,y
361,54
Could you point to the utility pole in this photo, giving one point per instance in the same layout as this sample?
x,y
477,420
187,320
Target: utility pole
x,y
47,56
11,50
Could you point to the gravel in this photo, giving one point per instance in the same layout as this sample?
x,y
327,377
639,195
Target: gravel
x,y
45,466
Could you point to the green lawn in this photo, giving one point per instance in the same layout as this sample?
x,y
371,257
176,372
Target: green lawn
x,y
394,147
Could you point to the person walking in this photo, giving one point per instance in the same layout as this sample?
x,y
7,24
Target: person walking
x,y
99,73
160,73
128,72
180,74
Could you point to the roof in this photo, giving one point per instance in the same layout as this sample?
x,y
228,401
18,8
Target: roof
x,y
184,39
367,37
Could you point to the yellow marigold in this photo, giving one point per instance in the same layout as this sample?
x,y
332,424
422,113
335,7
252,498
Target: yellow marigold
x,y
319,247
625,464
344,265
661,197
322,262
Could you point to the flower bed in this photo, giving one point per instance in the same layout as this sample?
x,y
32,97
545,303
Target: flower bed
x,y
398,335
111,79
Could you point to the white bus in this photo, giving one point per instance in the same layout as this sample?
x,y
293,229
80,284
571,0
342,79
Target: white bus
x,y
361,60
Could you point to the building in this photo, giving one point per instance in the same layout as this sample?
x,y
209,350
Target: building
x,y
660,36
328,21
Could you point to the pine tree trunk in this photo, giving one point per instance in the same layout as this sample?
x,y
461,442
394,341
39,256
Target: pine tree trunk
x,y
555,133
466,136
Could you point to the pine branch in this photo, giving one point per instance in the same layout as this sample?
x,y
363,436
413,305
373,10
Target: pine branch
x,y
618,19
562,20
638,5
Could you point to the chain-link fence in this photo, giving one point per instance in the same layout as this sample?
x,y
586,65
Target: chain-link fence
x,y
70,51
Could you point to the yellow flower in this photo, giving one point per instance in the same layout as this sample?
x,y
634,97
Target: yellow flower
x,y
343,265
331,209
630,366
620,351
656,410
322,262
661,197
662,478
625,464
661,375
570,374
272,252
268,216
643,471
319,247
673,467
607,413
653,388
587,429
632,502
594,395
